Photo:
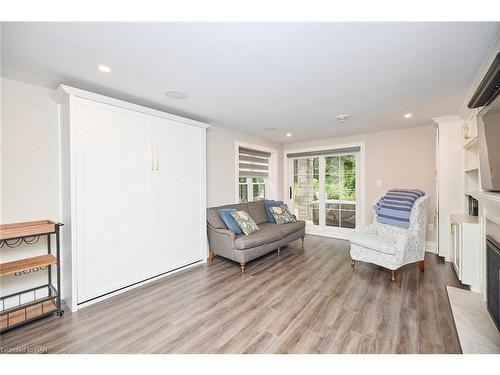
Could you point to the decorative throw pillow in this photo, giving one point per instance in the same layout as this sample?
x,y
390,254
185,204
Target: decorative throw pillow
x,y
245,222
228,219
282,214
267,205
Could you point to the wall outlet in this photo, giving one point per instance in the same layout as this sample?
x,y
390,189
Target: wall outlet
x,y
430,227
379,183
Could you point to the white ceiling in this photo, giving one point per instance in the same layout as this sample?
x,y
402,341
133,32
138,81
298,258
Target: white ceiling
x,y
296,77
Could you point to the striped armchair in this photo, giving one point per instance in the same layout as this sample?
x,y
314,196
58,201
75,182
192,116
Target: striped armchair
x,y
393,247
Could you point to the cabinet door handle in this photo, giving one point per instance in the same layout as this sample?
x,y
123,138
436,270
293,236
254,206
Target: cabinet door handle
x,y
157,157
153,157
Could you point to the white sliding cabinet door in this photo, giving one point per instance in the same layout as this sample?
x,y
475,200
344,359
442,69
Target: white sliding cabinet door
x,y
113,205
181,191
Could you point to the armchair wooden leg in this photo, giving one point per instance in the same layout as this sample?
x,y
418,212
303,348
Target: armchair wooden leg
x,y
393,275
303,248
279,250
421,265
353,263
211,255
242,267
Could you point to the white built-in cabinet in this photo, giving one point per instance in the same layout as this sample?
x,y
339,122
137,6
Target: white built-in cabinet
x,y
465,252
132,194
457,176
450,181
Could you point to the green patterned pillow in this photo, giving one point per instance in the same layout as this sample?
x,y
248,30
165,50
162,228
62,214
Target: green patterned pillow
x,y
245,222
282,214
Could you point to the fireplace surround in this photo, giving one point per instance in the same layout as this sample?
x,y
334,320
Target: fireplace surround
x,y
493,278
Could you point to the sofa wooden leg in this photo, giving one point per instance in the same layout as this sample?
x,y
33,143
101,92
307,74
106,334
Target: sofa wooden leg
x,y
303,248
393,275
421,265
353,263
242,267
211,255
279,250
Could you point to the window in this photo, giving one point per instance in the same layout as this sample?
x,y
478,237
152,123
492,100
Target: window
x,y
243,190
253,174
254,187
258,188
324,189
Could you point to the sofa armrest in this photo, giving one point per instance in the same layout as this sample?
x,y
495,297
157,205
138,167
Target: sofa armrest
x,y
221,241
222,232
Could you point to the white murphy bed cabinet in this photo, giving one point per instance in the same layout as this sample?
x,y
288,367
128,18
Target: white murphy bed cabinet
x,y
132,194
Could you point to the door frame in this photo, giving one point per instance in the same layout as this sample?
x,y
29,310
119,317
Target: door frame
x,y
333,232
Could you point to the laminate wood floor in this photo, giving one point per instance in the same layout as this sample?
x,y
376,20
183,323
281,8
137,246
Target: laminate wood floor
x,y
303,301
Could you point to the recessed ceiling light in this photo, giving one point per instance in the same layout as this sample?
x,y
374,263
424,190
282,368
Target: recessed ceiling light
x,y
104,68
288,134
175,94
407,115
342,118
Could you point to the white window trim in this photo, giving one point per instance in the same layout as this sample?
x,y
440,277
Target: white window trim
x,y
271,181
342,233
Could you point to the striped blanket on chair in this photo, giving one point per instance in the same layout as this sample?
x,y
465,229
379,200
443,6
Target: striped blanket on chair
x,y
394,208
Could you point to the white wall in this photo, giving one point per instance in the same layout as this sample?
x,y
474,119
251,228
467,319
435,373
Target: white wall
x,y
221,168
29,166
398,158
30,162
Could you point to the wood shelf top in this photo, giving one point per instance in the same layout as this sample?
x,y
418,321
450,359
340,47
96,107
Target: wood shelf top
x,y
11,268
25,229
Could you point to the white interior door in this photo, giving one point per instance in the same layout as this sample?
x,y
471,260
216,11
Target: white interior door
x,y
113,171
181,192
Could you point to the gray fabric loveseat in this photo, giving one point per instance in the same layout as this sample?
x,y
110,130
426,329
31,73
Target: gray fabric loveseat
x,y
244,248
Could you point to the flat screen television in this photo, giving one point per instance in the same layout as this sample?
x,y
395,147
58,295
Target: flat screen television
x,y
488,128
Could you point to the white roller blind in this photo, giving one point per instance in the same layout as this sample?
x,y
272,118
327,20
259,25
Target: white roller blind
x,y
253,163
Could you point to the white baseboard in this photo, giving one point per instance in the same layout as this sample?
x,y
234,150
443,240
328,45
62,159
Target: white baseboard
x,y
430,247
338,233
139,284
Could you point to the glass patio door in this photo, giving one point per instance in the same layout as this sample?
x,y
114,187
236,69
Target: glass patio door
x,y
324,191
306,189
340,191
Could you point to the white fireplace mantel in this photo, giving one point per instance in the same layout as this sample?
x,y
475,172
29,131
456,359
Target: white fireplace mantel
x,y
489,211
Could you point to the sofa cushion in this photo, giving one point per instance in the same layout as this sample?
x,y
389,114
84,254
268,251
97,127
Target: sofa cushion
x,y
380,237
268,233
267,205
257,211
214,219
245,222
228,219
290,228
282,214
